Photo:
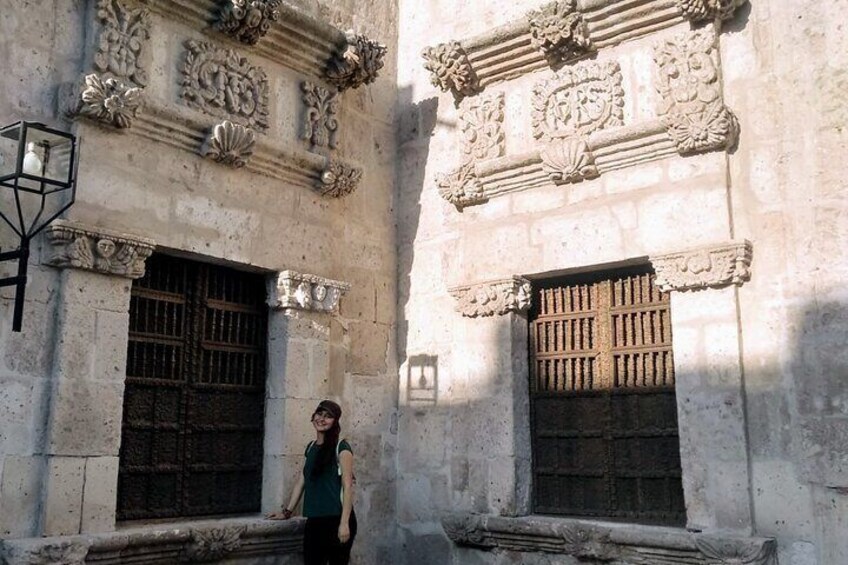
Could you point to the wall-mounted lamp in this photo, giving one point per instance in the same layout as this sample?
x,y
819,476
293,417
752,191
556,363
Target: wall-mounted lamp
x,y
38,170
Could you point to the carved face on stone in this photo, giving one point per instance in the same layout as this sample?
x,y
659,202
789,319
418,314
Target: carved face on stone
x,y
319,292
105,248
303,294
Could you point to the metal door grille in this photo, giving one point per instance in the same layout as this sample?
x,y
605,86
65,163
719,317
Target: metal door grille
x,y
605,440
194,400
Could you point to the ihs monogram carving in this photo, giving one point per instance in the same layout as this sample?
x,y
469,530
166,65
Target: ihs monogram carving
x,y
481,127
569,160
339,179
559,31
582,99
214,544
230,144
691,106
123,37
103,251
705,267
492,298
320,124
461,187
703,10
450,69
358,63
300,291
109,101
248,20
222,83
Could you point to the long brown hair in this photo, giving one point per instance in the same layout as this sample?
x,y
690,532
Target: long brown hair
x,y
327,450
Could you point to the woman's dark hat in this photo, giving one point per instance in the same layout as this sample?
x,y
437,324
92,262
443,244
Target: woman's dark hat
x,y
331,407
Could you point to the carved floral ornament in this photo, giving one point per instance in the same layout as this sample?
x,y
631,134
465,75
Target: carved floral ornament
x,y
461,187
299,291
123,37
358,62
213,544
704,267
703,10
94,249
559,31
481,127
229,144
108,101
248,20
339,179
491,298
320,121
450,69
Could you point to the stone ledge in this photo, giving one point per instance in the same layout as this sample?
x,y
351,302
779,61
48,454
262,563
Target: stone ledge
x,y
235,539
607,541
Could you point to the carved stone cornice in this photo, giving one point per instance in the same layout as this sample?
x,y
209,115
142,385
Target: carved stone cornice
x,y
706,10
213,544
357,63
73,245
320,121
624,543
248,21
339,179
711,266
229,144
559,31
298,291
450,69
497,297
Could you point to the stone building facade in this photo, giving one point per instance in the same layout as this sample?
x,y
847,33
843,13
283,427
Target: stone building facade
x,y
412,187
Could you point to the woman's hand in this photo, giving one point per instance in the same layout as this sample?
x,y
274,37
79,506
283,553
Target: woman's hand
x,y
344,532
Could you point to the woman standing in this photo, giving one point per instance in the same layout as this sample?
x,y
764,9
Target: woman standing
x,y
327,488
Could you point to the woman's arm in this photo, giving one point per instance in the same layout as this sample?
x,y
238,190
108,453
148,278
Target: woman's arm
x,y
295,498
346,462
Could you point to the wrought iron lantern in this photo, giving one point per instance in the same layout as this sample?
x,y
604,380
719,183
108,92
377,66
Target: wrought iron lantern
x,y
38,170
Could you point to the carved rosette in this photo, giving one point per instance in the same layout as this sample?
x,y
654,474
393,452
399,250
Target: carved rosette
x,y
706,10
95,249
339,179
229,144
569,161
248,20
358,63
300,291
692,108
221,83
320,122
481,127
582,99
465,529
108,101
213,545
123,38
559,31
450,69
492,298
461,187
729,551
704,267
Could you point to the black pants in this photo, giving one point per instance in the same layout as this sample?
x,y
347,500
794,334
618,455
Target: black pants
x,y
321,541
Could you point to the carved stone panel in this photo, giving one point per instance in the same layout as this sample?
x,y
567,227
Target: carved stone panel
x,y
358,62
123,37
704,267
229,144
491,298
96,249
582,99
306,292
481,127
248,20
339,179
559,31
691,107
221,83
568,160
320,122
108,101
450,69
704,10
212,545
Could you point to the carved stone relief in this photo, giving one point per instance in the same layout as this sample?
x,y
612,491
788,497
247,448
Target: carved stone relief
x,y
221,83
492,298
704,267
559,31
481,127
320,124
248,20
704,10
731,552
357,64
229,144
66,553
339,179
123,37
213,544
450,69
568,161
93,249
301,291
692,108
460,187
582,99
108,101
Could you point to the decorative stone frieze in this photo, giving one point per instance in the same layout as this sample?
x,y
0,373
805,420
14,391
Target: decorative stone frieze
x,y
691,107
460,187
559,31
704,267
213,544
108,101
583,98
248,20
705,10
123,37
221,83
299,291
229,144
450,69
491,298
358,63
96,249
481,127
339,179
569,160
320,122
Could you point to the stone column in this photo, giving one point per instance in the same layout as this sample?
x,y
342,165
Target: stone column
x,y
299,352
87,390
496,432
710,382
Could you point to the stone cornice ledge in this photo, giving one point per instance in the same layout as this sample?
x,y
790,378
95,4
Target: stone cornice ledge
x,y
193,542
73,245
298,291
495,297
710,266
607,541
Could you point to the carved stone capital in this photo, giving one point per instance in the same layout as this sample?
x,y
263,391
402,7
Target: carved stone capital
x,y
339,179
358,63
299,291
704,267
320,121
568,161
491,298
706,10
229,144
559,31
108,101
248,20
460,187
450,69
213,544
95,249
124,33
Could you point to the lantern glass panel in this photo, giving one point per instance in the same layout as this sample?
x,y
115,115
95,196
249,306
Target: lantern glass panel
x,y
47,157
9,137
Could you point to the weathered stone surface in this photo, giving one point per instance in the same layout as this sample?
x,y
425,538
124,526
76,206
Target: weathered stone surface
x,y
97,249
306,292
490,298
99,495
63,494
706,267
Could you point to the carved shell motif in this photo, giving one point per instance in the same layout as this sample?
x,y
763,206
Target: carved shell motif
x,y
569,161
230,144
